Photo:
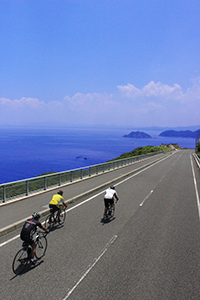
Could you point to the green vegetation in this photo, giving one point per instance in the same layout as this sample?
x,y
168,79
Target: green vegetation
x,y
198,149
147,149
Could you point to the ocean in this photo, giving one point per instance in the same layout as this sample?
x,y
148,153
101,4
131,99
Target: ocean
x,y
28,152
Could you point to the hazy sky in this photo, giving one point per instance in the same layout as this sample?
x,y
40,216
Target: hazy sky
x,y
100,62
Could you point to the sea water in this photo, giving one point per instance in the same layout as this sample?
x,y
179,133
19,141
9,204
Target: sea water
x,y
26,153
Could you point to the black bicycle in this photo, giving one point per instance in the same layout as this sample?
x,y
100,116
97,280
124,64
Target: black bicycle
x,y
23,256
110,211
53,218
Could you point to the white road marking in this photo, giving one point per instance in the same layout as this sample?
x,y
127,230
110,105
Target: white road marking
x,y
83,202
146,198
141,171
8,241
195,185
46,206
89,268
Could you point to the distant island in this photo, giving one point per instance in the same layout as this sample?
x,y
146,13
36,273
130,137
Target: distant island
x,y
138,135
182,133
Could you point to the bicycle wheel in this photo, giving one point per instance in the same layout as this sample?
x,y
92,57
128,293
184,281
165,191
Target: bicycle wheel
x,y
106,213
112,211
41,247
48,223
62,216
20,261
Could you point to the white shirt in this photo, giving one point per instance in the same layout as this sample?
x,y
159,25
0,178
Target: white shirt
x,y
109,194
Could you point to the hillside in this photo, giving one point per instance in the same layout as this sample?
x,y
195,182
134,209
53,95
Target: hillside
x,y
182,133
138,135
147,149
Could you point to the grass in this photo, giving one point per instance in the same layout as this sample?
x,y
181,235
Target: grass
x,y
146,150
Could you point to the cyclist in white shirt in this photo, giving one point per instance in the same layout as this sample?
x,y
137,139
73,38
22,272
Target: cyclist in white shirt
x,y
109,196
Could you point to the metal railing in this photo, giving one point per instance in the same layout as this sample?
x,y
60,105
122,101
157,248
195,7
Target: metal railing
x,y
197,159
23,188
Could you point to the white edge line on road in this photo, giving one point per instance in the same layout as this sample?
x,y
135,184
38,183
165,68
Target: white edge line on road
x,y
195,185
81,203
89,268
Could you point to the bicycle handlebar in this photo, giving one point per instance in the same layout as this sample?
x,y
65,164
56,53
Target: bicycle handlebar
x,y
39,233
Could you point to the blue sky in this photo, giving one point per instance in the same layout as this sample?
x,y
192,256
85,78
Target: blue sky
x,y
131,63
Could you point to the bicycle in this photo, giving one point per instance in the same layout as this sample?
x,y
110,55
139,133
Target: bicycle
x,y
110,211
53,218
23,256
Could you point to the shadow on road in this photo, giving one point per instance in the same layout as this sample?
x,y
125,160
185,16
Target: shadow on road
x,y
107,220
55,227
28,268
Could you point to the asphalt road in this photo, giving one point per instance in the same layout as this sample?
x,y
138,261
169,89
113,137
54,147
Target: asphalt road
x,y
151,250
13,213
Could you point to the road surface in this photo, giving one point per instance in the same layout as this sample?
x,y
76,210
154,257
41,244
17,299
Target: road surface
x,y
150,250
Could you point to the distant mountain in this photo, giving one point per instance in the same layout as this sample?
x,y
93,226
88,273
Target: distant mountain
x,y
182,133
138,135
161,129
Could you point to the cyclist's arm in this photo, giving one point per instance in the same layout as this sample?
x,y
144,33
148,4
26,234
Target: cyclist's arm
x,y
45,229
42,227
116,196
65,204
61,201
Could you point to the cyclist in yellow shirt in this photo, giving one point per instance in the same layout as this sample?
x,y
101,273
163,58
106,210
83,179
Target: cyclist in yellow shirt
x,y
55,203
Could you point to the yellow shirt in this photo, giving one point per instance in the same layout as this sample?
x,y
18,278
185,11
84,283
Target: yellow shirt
x,y
56,199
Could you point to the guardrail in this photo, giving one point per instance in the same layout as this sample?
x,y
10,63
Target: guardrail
x,y
23,188
197,159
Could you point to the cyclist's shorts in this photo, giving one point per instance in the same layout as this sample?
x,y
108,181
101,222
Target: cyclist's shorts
x,y
26,238
108,201
53,207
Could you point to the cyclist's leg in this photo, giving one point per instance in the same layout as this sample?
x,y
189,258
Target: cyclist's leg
x,y
58,213
110,206
31,242
53,209
112,203
33,250
106,203
105,212
27,239
51,216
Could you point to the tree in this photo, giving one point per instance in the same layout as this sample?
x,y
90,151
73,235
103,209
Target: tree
x,y
198,147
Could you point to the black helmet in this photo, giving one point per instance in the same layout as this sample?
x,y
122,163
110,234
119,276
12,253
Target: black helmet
x,y
112,187
60,192
36,215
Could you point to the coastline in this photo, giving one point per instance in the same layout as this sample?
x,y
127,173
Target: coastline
x,y
28,153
